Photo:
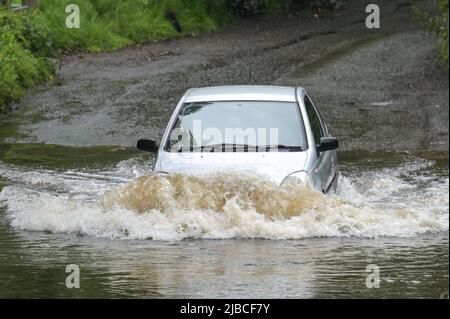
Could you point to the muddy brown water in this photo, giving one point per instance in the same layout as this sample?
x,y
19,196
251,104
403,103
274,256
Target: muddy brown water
x,y
391,210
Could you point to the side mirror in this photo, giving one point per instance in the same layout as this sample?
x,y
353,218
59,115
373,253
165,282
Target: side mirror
x,y
147,145
327,144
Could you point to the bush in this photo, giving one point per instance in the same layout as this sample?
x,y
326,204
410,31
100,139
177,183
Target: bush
x,y
111,24
326,4
254,8
439,25
22,50
246,8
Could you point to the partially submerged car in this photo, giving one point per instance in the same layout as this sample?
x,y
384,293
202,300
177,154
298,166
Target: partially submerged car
x,y
274,131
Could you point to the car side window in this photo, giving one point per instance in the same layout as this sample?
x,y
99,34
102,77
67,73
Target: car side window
x,y
313,120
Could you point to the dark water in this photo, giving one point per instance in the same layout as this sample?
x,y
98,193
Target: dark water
x,y
394,215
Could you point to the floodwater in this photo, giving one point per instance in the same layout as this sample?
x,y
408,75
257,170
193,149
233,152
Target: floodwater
x,y
136,234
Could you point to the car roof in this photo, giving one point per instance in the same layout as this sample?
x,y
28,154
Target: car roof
x,y
242,93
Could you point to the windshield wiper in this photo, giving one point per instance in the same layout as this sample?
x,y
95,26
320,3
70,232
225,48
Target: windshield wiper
x,y
246,147
297,148
223,146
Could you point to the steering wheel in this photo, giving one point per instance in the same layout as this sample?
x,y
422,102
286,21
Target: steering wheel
x,y
181,139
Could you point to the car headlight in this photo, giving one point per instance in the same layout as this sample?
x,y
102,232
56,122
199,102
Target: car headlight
x,y
296,178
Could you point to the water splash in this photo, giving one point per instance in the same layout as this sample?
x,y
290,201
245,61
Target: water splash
x,y
128,203
172,193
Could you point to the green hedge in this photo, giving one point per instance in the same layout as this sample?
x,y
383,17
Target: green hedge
x,y
439,25
113,24
252,8
23,50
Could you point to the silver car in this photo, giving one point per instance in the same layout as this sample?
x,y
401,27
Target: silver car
x,y
273,131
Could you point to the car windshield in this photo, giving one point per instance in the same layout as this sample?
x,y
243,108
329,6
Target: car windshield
x,y
237,126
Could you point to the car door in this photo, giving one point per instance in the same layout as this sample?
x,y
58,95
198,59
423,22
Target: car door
x,y
324,168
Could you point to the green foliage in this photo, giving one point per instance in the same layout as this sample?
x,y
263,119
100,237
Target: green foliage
x,y
113,24
246,8
92,35
439,25
22,47
326,4
253,8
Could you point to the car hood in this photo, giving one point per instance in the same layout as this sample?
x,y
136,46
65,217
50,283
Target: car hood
x,y
272,165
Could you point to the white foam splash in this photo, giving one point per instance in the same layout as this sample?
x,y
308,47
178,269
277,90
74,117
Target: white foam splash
x,y
372,204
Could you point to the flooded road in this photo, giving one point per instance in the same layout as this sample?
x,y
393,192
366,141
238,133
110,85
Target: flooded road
x,y
68,197
391,210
